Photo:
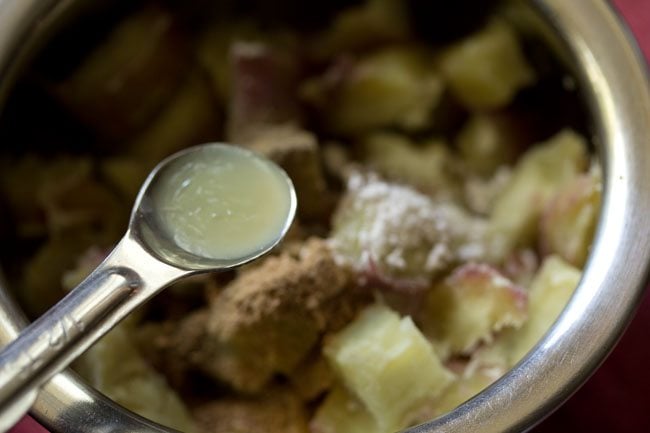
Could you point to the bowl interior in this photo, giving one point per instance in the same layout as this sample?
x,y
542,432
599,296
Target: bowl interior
x,y
557,36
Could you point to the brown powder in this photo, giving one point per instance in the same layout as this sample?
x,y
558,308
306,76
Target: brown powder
x,y
263,323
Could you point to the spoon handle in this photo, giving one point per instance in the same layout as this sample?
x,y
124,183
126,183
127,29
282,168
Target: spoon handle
x,y
58,337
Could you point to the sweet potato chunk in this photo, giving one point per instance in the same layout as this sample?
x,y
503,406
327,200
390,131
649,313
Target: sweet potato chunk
x,y
189,118
390,233
470,306
426,166
125,175
537,177
470,383
488,142
569,220
58,195
127,79
217,52
550,291
395,237
485,70
263,90
274,411
115,367
392,87
341,412
387,364
41,286
361,27
297,152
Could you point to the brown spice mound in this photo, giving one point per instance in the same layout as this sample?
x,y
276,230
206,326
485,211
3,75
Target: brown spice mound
x,y
267,320
174,348
305,282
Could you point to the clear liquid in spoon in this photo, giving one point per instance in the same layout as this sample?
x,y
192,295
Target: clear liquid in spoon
x,y
222,204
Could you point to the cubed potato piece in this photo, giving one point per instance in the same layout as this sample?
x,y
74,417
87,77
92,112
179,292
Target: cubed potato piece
x,y
115,367
297,152
479,193
364,26
337,161
71,198
390,234
215,45
486,69
40,286
541,172
488,142
569,220
470,306
274,411
54,195
492,358
125,175
387,363
549,293
189,118
466,387
213,54
125,81
396,238
425,166
469,234
341,412
263,90
521,266
392,87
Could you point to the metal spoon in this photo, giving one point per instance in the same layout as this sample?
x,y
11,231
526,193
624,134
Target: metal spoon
x,y
144,262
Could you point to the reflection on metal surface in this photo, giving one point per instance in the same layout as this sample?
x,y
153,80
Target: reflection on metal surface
x,y
614,80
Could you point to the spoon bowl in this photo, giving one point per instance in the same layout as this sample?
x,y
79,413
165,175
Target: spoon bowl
x,y
148,224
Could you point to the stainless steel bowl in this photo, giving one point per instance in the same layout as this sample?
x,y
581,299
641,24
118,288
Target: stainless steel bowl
x,y
590,38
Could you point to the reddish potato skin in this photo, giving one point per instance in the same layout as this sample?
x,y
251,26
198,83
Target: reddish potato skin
x,y
481,276
491,140
470,306
262,90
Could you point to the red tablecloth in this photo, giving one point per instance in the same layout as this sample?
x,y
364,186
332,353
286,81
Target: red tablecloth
x,y
617,398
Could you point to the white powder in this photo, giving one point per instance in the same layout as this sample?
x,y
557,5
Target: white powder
x,y
397,228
